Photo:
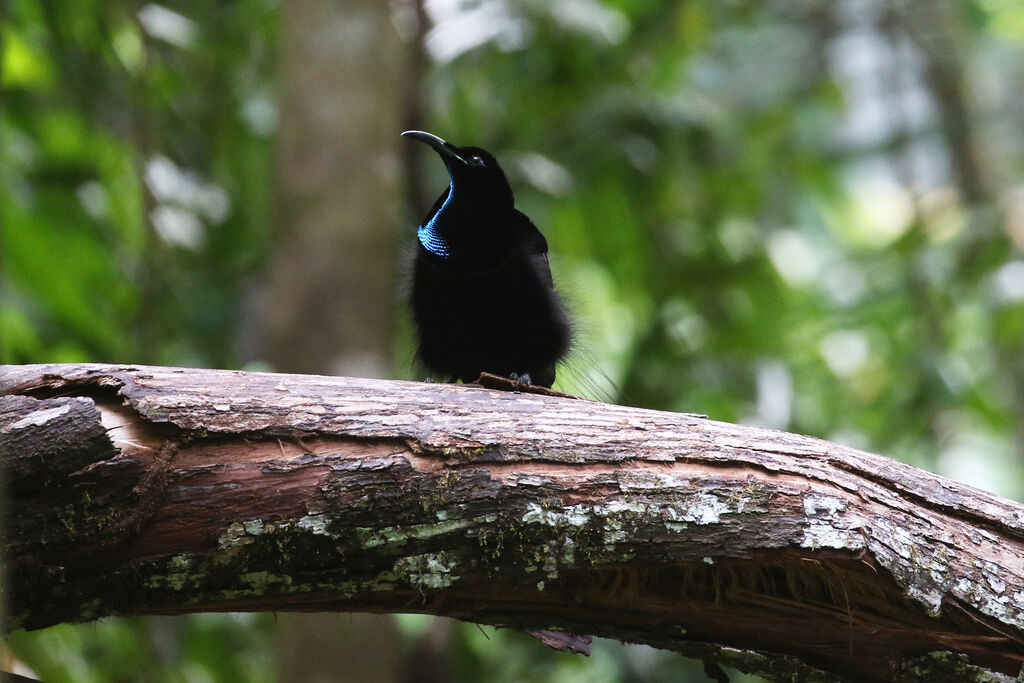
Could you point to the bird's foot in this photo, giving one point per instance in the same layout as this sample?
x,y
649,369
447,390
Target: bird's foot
x,y
503,383
523,380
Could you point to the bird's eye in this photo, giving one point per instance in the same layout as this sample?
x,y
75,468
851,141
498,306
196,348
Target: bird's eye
x,y
476,161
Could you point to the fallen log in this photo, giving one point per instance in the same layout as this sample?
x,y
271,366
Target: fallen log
x,y
153,490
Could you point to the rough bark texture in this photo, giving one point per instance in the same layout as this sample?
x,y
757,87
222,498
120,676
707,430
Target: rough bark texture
x,y
148,490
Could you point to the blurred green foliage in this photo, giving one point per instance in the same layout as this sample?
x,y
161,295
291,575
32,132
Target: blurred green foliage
x,y
203,647
803,215
135,160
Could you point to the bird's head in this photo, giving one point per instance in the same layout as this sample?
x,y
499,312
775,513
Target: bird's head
x,y
476,178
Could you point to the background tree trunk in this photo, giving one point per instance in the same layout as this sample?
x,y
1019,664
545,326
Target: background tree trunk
x,y
343,79
163,490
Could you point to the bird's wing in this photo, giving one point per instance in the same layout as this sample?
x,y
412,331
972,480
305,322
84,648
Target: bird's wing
x,y
536,247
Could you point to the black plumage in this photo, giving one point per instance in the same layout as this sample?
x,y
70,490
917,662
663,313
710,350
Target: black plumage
x,y
482,297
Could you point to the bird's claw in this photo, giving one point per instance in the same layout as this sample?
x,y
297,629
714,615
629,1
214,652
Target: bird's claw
x,y
523,380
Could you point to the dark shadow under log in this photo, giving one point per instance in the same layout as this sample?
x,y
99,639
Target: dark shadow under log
x,y
148,490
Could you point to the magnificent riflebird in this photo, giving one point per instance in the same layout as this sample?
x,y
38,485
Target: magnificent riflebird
x,y
482,297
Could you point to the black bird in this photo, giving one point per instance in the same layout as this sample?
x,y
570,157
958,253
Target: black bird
x,y
482,298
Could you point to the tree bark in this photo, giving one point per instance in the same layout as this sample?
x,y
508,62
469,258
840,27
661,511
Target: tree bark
x,y
150,490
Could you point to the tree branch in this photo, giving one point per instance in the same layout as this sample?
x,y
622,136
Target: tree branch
x,y
150,490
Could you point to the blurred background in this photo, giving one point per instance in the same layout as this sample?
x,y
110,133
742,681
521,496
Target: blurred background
x,y
806,215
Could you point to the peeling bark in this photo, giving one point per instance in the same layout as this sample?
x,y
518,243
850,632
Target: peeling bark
x,y
149,490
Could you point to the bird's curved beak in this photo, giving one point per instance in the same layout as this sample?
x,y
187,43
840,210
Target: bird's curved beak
x,y
446,149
